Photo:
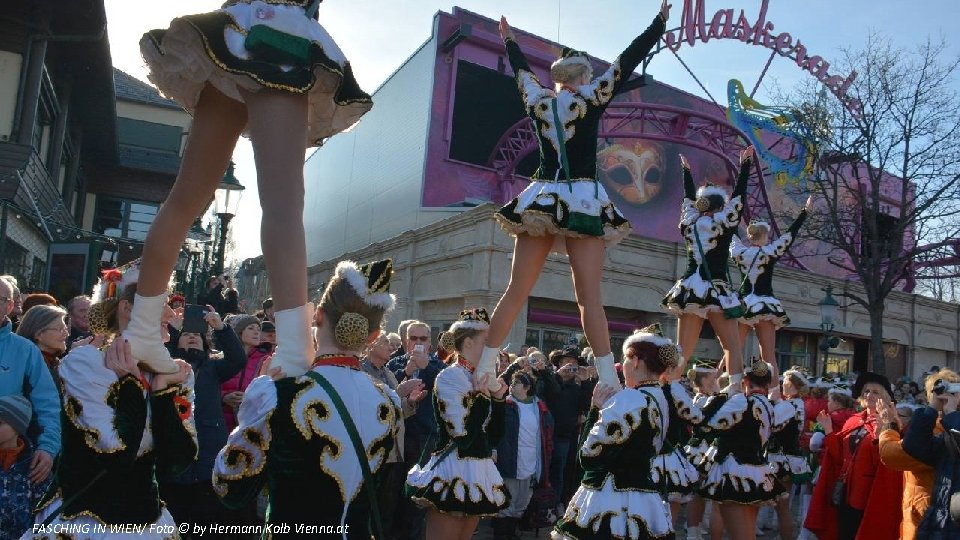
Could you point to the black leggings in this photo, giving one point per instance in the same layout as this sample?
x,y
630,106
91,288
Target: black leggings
x,y
849,519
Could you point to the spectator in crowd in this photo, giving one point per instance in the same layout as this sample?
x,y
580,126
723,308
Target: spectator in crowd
x,y
523,455
402,332
78,309
268,309
421,429
230,304
44,325
535,364
176,302
396,342
38,299
189,495
268,333
567,404
856,496
24,373
212,295
394,472
247,327
19,494
17,298
933,439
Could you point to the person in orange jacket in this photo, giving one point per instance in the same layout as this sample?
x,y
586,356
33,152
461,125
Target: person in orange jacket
x,y
918,477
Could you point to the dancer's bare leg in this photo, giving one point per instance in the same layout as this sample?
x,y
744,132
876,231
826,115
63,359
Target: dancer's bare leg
x,y
468,527
529,254
767,336
729,336
740,521
442,526
278,131
788,530
744,333
217,123
586,261
689,326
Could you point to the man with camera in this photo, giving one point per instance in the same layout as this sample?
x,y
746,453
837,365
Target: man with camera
x,y
568,401
421,429
941,451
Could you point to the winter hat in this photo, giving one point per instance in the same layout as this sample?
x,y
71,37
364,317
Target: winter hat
x,y
268,326
241,322
16,411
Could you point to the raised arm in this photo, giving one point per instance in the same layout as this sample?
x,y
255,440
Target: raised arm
x,y
782,244
531,90
732,212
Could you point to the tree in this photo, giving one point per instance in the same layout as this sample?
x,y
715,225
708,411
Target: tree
x,y
888,179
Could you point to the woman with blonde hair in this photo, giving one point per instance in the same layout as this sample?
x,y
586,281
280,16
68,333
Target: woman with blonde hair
x,y
565,209
321,436
460,483
783,451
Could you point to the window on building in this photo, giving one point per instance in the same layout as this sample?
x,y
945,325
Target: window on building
x,y
143,134
548,339
124,218
487,103
886,230
15,261
38,272
46,114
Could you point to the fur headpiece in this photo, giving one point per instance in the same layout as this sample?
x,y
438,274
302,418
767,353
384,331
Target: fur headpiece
x,y
799,372
758,226
114,280
668,352
709,189
473,319
371,281
572,56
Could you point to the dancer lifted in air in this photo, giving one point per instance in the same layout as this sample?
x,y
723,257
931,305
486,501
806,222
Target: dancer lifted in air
x,y
565,208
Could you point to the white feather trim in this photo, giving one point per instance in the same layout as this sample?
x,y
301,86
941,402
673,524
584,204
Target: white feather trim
x,y
643,337
803,378
349,271
572,60
706,191
838,390
470,325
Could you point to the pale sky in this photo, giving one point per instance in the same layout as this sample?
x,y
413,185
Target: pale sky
x,y
378,35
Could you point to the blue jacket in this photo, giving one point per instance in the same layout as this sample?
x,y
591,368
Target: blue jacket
x,y
19,496
23,372
209,374
922,445
509,445
422,423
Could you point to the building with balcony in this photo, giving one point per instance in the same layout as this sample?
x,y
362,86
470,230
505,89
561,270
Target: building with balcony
x,y
87,153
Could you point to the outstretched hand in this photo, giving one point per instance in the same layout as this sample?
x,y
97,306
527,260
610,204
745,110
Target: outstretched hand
x,y
748,153
683,162
665,10
505,31
808,206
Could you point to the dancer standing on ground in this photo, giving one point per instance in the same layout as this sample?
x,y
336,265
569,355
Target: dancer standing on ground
x,y
460,484
565,208
316,441
625,430
708,221
232,70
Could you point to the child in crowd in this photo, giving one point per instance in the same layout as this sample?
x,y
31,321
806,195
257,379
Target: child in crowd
x,y
19,495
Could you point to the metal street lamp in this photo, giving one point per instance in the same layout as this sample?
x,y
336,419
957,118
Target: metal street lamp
x,y
829,309
226,202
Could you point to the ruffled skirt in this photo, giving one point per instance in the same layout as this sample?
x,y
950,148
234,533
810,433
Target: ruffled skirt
x,y
790,467
612,513
676,474
731,482
696,295
208,48
577,209
458,486
764,308
700,454
89,527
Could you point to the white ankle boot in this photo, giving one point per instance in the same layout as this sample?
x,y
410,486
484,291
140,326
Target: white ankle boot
x,y
606,371
488,365
143,333
295,351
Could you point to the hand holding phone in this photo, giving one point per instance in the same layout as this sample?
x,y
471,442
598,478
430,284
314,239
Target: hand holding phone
x,y
194,320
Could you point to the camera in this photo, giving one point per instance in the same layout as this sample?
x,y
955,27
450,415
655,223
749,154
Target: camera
x,y
942,387
419,348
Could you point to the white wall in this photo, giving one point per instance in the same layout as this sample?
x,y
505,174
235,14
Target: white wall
x,y
365,185
9,80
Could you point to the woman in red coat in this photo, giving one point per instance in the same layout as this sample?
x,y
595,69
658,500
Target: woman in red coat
x,y
857,497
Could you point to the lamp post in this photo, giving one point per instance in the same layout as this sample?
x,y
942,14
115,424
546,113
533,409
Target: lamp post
x,y
829,308
226,201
